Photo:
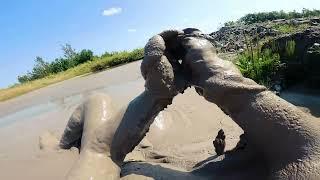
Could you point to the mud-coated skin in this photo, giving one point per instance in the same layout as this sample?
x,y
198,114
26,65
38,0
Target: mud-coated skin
x,y
108,134
93,123
163,74
163,80
287,138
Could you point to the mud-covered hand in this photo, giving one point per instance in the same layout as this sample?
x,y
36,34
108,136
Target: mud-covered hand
x,y
160,67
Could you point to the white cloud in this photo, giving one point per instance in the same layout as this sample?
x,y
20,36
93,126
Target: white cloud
x,y
132,30
112,11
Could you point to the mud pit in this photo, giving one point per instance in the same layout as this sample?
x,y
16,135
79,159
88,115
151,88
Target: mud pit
x,y
172,159
173,151
179,144
282,138
166,153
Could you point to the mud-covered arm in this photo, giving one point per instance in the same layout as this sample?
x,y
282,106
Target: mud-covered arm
x,y
135,123
287,138
163,80
214,78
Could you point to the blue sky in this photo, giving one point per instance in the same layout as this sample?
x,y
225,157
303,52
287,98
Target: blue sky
x,y
38,27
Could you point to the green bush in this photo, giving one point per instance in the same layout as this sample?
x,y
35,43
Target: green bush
x,y
269,16
24,78
284,28
230,23
108,54
60,64
117,59
43,69
259,66
287,50
84,56
289,28
40,70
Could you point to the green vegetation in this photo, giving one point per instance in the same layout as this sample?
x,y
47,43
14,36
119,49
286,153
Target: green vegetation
x,y
290,48
43,76
289,28
39,83
43,69
264,65
284,28
259,66
230,23
287,51
72,59
117,58
269,16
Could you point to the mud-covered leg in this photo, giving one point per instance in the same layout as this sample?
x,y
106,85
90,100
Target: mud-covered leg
x,y
99,121
72,134
109,134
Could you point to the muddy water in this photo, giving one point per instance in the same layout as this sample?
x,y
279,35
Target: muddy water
x,y
31,121
80,85
121,93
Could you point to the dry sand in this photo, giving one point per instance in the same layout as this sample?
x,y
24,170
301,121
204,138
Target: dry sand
x,y
180,137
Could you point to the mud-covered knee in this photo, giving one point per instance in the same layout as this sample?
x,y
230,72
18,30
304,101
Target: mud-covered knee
x,y
73,131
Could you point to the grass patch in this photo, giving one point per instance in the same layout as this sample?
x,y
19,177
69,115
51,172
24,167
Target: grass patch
x,y
274,15
290,28
97,64
290,48
117,59
259,66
